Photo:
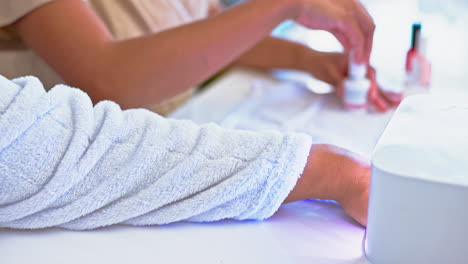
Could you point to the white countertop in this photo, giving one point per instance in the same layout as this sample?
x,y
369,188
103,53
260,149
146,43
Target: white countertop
x,y
302,232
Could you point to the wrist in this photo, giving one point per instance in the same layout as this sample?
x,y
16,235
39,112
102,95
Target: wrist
x,y
354,173
329,175
335,173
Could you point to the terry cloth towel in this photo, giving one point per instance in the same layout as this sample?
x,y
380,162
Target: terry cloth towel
x,y
66,163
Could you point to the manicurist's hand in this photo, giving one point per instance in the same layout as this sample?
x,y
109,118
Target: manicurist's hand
x,y
347,20
336,174
352,25
332,68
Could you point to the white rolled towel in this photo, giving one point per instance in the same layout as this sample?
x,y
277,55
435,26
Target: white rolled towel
x,y
66,163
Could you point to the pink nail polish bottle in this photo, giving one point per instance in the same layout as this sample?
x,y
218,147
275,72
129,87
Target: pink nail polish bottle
x,y
418,68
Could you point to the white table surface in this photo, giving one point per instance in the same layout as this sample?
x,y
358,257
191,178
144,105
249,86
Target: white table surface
x,y
245,99
302,232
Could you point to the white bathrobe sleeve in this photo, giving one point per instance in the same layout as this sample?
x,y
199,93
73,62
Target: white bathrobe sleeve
x,y
66,163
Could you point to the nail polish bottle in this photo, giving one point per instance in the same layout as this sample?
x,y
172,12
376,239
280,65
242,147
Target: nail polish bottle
x,y
356,86
425,77
418,68
412,52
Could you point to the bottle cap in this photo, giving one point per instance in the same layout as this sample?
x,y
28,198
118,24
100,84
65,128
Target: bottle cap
x,y
357,71
415,35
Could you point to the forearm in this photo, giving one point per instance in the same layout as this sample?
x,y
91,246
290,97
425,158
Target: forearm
x,y
193,52
274,53
146,70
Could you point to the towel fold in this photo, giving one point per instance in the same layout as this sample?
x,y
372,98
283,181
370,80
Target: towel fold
x,y
66,163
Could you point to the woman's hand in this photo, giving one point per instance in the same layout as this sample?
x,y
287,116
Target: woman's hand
x,y
332,68
347,20
336,174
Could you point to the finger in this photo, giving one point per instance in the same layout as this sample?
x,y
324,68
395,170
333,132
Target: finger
x,y
368,28
377,100
371,73
375,97
342,62
391,99
335,75
356,38
343,39
339,90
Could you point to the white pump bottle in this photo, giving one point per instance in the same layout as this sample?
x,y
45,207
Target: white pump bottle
x,y
356,86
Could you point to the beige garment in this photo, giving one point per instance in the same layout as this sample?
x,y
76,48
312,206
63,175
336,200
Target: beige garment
x,y
124,18
132,18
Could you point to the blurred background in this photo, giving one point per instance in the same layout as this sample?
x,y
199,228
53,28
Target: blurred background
x,y
444,25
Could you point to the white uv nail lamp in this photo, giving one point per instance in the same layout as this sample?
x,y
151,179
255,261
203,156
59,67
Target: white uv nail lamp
x,y
418,208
